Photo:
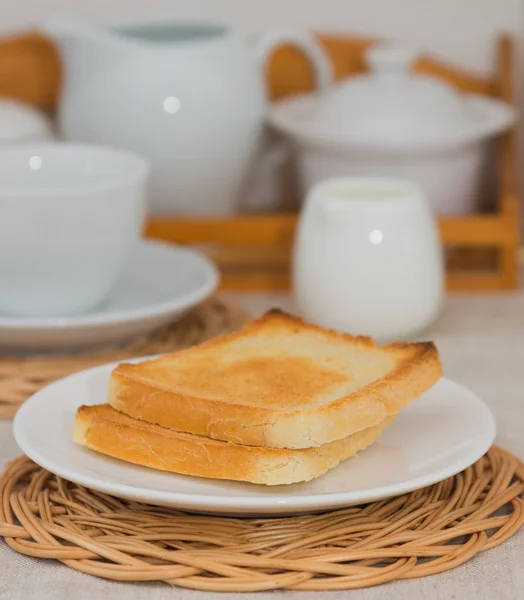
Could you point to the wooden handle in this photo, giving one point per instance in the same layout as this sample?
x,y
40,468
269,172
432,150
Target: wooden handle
x,y
30,70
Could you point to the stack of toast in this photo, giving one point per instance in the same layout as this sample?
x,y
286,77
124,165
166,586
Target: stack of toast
x,y
279,402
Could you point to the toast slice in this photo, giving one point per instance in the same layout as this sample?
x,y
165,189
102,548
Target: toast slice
x,y
278,383
105,430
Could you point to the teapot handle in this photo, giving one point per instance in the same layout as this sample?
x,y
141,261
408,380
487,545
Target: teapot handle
x,y
304,41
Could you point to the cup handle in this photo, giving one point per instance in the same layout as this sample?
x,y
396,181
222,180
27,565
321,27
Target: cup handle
x,y
304,41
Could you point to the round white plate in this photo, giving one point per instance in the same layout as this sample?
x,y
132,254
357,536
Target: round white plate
x,y
161,282
440,434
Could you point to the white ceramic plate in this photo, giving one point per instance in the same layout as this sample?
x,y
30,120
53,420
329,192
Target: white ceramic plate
x,y
437,436
161,282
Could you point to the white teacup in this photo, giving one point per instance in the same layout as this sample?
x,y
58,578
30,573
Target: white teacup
x,y
368,258
70,216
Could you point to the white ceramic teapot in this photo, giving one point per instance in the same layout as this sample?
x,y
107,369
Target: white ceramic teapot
x,y
367,258
188,96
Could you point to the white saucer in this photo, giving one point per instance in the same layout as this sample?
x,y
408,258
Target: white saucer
x,y
161,282
440,434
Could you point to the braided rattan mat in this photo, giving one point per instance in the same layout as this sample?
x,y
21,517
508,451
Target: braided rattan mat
x,y
422,533
22,376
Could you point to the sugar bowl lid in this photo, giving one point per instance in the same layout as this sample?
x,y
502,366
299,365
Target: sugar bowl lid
x,y
391,101
390,106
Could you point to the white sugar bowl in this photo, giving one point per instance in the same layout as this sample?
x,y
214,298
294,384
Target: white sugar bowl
x,y
367,258
393,122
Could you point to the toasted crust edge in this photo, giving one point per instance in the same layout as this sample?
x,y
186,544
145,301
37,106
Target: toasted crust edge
x,y
258,426
104,430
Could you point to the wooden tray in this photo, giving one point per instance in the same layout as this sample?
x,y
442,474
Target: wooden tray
x,y
253,251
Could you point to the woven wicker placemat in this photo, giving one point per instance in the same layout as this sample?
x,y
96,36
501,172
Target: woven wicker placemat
x,y
418,534
22,376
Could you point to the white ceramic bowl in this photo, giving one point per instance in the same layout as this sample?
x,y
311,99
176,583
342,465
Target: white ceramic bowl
x,y
70,216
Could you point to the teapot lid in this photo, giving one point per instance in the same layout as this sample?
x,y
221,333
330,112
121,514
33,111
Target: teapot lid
x,y
19,121
391,108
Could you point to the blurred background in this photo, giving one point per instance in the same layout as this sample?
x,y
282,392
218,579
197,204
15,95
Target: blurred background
x,y
236,150
460,30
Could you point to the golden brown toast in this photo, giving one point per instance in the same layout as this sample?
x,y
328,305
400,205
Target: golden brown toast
x,y
105,430
279,383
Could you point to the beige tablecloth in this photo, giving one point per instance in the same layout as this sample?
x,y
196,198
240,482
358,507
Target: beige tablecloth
x,y
481,339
